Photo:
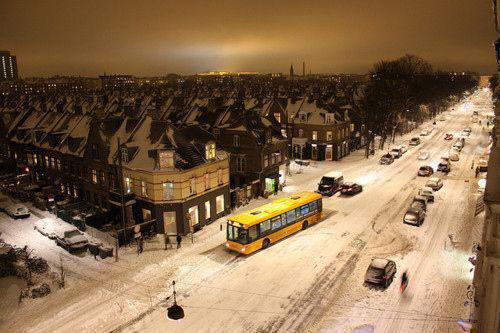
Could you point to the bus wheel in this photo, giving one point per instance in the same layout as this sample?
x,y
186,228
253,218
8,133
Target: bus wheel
x,y
305,224
265,243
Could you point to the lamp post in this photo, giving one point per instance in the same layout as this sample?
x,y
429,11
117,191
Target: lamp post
x,y
175,312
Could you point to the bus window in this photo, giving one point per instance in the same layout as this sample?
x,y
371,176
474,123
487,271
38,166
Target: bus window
x,y
304,209
290,216
320,205
313,206
283,219
264,227
297,212
252,233
276,222
236,234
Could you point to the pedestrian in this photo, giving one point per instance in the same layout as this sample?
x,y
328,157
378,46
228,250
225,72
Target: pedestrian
x,y
477,171
179,240
275,187
141,244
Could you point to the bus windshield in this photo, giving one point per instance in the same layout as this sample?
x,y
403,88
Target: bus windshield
x,y
237,234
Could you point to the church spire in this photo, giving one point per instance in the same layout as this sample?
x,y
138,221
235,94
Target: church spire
x,y
291,70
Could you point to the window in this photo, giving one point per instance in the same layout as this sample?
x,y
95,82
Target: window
x,y
266,161
127,185
144,189
94,176
103,177
276,222
236,140
252,233
277,116
278,156
329,118
283,219
166,159
35,159
168,190
352,127
283,132
329,136
46,161
313,206
207,210
207,181
264,226
301,133
290,216
124,153
240,163
315,135
192,186
273,159
75,192
297,212
304,210
210,151
220,180
219,204
58,164
303,116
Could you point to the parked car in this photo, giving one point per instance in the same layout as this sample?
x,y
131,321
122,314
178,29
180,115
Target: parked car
x,y
403,148
414,216
424,132
414,141
448,136
381,272
454,155
483,163
435,183
445,156
386,159
444,166
465,134
423,155
427,192
17,211
419,201
458,145
330,183
396,152
467,129
425,171
442,118
72,240
350,188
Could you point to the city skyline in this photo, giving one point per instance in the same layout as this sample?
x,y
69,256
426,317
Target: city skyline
x,y
89,39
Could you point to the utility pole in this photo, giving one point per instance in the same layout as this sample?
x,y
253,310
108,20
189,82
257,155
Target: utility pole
x,y
122,192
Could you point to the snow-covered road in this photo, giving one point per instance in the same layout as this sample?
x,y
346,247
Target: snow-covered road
x,y
313,280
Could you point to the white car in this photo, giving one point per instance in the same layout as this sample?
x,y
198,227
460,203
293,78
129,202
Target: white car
x,y
445,156
423,155
434,183
424,132
458,145
427,192
465,134
442,118
17,211
403,148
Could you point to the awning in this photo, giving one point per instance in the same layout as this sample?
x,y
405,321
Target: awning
x,y
128,203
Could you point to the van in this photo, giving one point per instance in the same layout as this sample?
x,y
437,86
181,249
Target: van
x,y
330,183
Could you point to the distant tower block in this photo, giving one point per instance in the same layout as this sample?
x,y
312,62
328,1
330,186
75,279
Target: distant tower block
x,y
291,70
303,68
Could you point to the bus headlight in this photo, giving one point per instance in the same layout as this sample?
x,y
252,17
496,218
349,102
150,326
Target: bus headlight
x,y
227,244
243,249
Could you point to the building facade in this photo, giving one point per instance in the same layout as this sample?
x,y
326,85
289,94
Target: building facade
x,y
8,66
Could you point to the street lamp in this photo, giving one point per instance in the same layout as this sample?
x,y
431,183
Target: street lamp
x,y
175,312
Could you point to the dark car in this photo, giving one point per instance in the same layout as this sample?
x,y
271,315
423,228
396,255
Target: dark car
x,y
414,216
330,183
425,171
386,159
420,202
351,189
444,166
414,141
448,136
72,240
380,271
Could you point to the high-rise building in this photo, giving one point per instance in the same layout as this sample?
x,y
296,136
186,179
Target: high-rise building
x,y
291,70
8,66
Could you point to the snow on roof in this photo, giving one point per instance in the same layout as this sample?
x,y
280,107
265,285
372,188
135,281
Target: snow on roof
x,y
379,263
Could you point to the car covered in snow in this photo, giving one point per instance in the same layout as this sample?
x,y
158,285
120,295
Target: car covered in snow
x,y
427,192
442,118
72,240
386,159
467,129
419,201
425,171
414,141
17,211
458,145
435,183
444,166
330,183
424,132
465,134
483,163
403,148
454,155
396,152
350,188
448,136
414,216
423,155
381,272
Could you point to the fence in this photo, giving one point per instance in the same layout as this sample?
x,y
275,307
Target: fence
x,y
479,206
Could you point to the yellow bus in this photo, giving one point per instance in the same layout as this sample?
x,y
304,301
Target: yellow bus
x,y
260,227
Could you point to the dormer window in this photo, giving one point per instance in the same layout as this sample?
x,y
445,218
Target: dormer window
x,y
303,116
236,140
166,159
210,150
329,118
124,154
277,116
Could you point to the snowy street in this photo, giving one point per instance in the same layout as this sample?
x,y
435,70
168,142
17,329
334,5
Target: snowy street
x,y
310,281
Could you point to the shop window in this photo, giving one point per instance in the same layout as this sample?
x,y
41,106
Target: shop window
x,y
94,176
207,210
168,190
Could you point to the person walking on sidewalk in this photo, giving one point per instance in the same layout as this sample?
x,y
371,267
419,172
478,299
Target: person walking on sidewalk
x,y
276,187
179,240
